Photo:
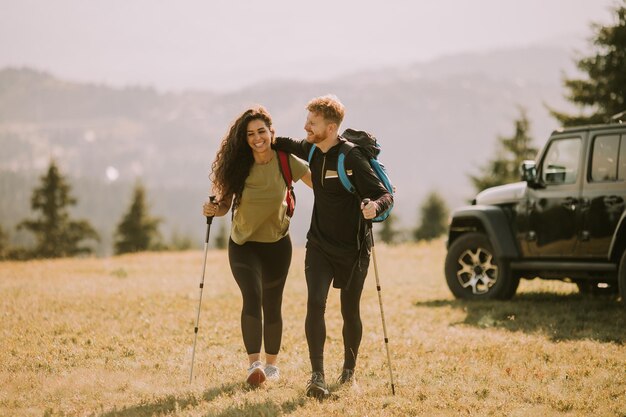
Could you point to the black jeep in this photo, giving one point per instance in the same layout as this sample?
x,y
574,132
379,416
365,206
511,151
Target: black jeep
x,y
566,220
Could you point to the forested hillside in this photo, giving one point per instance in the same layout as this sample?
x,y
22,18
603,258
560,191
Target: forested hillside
x,y
437,123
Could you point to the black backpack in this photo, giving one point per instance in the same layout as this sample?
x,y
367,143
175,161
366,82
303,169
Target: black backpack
x,y
371,149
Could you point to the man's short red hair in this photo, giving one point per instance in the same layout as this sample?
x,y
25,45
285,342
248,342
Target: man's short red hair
x,y
329,107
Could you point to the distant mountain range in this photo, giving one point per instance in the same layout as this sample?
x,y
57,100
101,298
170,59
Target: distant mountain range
x,y
437,122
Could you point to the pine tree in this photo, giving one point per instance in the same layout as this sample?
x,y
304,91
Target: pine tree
x,y
434,218
137,231
387,233
56,234
512,151
603,93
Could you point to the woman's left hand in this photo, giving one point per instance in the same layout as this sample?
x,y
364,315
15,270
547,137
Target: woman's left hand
x,y
209,209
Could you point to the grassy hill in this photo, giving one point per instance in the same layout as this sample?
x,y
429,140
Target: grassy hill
x,y
112,337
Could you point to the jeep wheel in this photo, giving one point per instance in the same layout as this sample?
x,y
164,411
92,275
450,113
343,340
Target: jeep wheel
x,y
621,279
474,272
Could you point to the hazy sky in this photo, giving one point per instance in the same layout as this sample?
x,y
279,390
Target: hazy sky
x,y
228,44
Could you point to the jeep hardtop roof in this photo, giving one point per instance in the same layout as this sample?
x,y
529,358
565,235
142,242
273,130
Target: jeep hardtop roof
x,y
583,128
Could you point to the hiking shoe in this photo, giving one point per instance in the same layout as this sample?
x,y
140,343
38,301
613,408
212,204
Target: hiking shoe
x,y
346,377
271,372
316,387
256,375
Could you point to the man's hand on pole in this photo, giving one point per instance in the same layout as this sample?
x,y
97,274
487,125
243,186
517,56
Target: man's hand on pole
x,y
368,208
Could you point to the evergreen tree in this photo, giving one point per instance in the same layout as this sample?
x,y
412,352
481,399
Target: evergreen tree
x,y
603,93
137,231
56,234
434,218
387,233
512,151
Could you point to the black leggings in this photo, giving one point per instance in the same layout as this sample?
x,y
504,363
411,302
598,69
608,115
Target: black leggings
x,y
320,272
260,270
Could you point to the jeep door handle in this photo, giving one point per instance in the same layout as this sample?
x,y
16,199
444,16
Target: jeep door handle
x,y
569,203
613,200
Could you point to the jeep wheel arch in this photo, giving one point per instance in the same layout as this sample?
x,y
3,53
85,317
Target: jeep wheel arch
x,y
489,220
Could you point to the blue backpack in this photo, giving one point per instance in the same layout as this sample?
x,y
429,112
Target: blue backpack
x,y
371,149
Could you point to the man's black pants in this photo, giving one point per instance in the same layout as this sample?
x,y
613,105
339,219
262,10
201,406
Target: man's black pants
x,y
320,272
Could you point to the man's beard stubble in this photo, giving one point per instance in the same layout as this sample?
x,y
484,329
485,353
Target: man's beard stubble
x,y
315,138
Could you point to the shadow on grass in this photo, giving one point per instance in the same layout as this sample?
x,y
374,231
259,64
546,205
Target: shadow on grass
x,y
173,404
264,409
558,316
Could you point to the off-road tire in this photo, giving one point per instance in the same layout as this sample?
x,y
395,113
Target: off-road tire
x,y
485,276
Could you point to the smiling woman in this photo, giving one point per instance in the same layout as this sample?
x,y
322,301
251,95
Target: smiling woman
x,y
248,176
260,141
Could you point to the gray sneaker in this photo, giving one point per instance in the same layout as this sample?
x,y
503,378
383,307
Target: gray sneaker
x,y
256,375
316,387
271,372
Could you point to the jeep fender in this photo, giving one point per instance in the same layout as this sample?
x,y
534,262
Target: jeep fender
x,y
490,220
618,244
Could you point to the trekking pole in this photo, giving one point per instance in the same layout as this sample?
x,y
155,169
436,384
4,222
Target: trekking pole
x,y
209,220
380,300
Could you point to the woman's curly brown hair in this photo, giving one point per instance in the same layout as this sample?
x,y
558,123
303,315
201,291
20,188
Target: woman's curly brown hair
x,y
234,158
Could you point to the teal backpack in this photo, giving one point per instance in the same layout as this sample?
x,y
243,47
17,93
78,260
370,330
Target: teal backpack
x,y
371,149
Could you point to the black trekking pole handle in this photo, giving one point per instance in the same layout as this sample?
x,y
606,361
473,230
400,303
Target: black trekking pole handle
x,y
212,199
368,222
365,202
209,219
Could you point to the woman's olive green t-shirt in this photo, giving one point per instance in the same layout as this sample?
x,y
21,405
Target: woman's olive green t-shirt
x,y
262,212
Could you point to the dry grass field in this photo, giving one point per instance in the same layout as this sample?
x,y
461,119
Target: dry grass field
x,y
112,337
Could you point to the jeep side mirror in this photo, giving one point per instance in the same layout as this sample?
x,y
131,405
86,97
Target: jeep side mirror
x,y
528,171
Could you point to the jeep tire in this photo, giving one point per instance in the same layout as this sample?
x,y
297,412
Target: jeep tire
x,y
473,271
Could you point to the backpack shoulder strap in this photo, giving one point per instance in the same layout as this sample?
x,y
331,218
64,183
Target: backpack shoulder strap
x,y
311,153
344,150
285,168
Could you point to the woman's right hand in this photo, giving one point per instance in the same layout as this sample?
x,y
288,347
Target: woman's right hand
x,y
209,209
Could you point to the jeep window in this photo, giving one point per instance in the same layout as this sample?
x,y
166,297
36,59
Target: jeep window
x,y
604,158
560,165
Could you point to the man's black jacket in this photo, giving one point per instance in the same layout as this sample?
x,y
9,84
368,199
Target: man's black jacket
x,y
337,225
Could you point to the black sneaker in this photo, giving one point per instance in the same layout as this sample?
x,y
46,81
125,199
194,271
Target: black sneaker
x,y
346,377
316,387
